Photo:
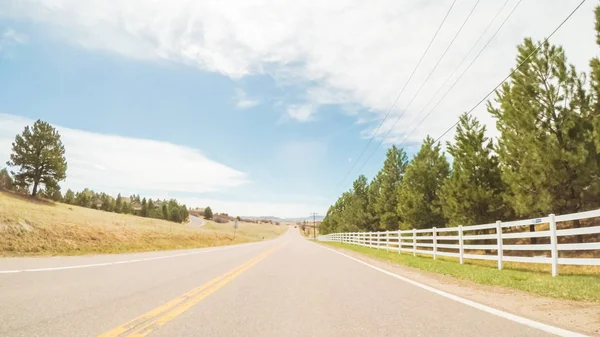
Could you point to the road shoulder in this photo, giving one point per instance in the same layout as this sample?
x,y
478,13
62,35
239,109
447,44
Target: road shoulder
x,y
568,314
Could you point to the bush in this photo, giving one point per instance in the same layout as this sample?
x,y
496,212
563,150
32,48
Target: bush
x,y
208,214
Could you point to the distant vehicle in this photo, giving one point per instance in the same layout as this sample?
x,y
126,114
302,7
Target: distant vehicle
x,y
294,226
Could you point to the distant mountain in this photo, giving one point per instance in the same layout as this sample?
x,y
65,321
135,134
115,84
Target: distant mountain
x,y
307,219
274,218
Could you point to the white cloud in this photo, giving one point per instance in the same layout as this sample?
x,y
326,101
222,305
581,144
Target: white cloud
x,y
349,52
242,101
114,164
155,169
301,113
11,37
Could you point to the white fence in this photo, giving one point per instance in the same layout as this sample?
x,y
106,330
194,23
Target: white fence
x,y
454,241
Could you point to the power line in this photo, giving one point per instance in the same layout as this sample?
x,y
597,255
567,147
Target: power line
x,y
424,82
517,68
430,73
401,91
467,55
458,78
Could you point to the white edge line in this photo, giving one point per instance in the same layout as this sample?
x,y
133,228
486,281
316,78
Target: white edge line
x,y
525,321
205,250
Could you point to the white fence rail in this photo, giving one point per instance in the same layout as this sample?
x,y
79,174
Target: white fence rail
x,y
457,241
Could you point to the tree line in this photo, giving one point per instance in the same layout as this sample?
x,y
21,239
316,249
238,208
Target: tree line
x,y
38,157
546,158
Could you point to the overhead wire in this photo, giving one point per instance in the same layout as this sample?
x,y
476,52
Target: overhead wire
x,y
515,70
401,91
456,34
459,77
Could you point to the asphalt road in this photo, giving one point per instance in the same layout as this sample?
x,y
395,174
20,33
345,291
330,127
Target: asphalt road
x,y
196,221
283,287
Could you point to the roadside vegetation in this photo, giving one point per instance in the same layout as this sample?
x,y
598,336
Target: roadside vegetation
x,y
34,226
546,158
574,282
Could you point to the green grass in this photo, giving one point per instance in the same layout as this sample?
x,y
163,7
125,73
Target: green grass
x,y
572,286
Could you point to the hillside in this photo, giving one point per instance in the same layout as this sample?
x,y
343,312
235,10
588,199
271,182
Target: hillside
x,y
39,227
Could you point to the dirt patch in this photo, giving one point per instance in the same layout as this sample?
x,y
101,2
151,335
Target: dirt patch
x,y
583,317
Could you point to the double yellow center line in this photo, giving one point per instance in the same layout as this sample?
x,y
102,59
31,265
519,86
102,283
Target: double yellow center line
x,y
156,318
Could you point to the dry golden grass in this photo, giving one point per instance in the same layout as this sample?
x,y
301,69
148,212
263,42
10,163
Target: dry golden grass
x,y
38,227
249,230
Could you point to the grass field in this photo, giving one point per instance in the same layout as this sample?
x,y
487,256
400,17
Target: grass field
x,y
249,230
31,227
574,283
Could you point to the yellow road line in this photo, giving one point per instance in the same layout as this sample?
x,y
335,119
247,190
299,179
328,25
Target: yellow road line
x,y
159,316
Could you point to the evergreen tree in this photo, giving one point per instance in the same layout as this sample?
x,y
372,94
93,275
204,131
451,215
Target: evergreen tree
x,y
391,177
208,214
40,156
546,146
358,216
69,197
472,195
144,211
165,211
53,193
119,204
373,196
127,207
150,207
83,198
419,202
6,181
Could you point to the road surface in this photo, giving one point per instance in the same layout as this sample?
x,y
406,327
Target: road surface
x,y
283,287
196,221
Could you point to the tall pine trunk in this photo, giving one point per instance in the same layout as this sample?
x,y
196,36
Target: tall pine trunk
x,y
577,224
35,188
532,229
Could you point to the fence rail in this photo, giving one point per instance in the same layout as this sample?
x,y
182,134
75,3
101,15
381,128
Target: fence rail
x,y
454,241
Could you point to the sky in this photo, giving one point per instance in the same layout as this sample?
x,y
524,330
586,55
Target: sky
x,y
257,107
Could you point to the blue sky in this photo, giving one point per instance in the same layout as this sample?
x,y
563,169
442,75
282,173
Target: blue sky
x,y
256,110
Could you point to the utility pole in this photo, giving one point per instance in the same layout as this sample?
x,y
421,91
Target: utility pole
x,y
314,226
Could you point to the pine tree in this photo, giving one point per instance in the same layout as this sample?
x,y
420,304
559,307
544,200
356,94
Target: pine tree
x,y
208,214
144,211
419,202
546,146
40,156
119,204
165,211
473,193
373,196
83,198
356,214
53,193
69,197
391,177
6,181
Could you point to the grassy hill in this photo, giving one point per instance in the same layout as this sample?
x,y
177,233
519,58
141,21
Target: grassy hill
x,y
39,227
